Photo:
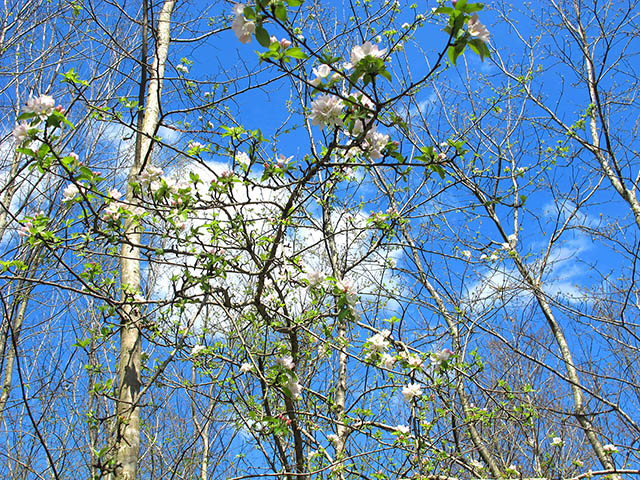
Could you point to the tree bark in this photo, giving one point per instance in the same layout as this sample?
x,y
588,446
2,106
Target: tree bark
x,y
129,367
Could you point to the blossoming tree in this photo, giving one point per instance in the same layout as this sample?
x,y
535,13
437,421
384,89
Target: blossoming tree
x,y
323,298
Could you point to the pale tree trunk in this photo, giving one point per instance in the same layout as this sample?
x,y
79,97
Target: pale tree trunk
x,y
129,375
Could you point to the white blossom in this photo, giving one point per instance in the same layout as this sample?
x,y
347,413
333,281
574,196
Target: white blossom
x,y
410,391
402,429
366,49
242,27
556,442
387,361
20,132
379,342
294,388
43,106
286,362
414,361
182,68
327,110
321,71
197,349
610,449
246,367
315,277
477,29
70,192
243,159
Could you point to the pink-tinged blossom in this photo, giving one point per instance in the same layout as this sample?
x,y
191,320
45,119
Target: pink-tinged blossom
x,y
112,212
286,362
315,277
440,357
115,194
379,342
346,286
70,192
374,143
285,43
149,175
20,132
387,361
477,29
25,229
327,110
411,391
42,106
610,449
365,50
242,27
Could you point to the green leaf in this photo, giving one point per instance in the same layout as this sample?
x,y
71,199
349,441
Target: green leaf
x,y
438,169
294,3
249,13
296,52
472,7
452,55
281,12
262,36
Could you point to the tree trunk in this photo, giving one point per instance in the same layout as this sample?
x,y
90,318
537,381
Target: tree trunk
x,y
129,375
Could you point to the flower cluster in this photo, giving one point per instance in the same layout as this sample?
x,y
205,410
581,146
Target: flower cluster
x,y
346,286
21,132
242,27
321,72
367,49
411,391
327,110
315,277
286,362
42,106
70,192
379,342
477,29
150,175
441,357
